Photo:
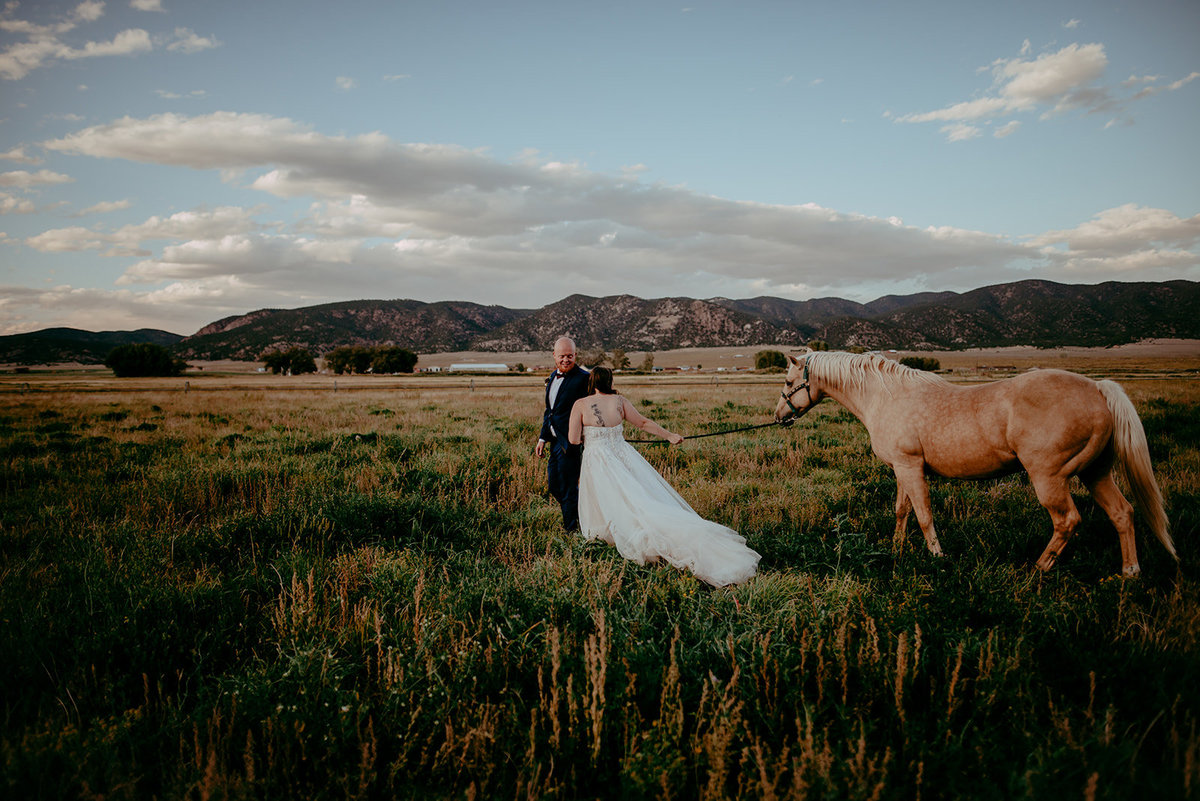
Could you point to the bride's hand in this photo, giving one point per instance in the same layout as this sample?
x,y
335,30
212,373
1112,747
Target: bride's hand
x,y
675,439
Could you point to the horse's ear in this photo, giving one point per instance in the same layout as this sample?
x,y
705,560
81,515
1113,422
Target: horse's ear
x,y
793,360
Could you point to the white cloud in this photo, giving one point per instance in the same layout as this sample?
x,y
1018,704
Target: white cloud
x,y
1129,241
104,207
1134,80
1007,129
508,218
1171,87
129,239
969,110
397,77
26,309
89,10
22,179
23,57
146,5
388,219
67,240
45,44
1124,230
168,95
1053,83
19,155
345,83
187,41
959,132
15,205
1051,77
125,43
1071,23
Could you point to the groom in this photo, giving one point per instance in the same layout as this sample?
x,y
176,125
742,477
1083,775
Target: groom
x,y
565,385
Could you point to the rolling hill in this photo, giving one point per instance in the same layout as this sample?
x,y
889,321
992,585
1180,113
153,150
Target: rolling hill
x,y
1034,312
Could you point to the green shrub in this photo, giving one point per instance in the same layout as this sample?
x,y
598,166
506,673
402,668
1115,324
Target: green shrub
x,y
927,363
766,359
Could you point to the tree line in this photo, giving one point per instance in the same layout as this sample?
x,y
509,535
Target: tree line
x,y
145,359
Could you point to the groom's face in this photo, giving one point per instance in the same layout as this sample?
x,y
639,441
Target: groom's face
x,y
564,357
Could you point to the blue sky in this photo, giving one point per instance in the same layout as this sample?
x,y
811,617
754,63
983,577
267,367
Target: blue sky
x,y
164,163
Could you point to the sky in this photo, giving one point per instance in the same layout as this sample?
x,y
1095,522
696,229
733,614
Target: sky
x,y
164,164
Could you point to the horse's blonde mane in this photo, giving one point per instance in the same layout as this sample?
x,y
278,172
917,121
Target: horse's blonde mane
x,y
851,370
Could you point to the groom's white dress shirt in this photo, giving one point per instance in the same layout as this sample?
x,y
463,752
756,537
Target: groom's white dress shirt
x,y
555,385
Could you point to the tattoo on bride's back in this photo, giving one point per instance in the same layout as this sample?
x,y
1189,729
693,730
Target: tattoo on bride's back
x,y
599,417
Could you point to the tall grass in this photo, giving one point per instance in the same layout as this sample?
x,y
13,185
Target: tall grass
x,y
369,595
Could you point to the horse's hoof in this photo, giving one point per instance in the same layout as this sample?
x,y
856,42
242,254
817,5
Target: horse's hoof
x,y
1131,571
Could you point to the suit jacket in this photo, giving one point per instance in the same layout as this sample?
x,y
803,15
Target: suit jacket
x,y
574,387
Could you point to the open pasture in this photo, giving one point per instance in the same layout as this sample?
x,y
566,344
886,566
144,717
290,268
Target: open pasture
x,y
252,593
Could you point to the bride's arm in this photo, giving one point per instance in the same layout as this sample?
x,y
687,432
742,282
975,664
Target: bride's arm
x,y
575,432
646,424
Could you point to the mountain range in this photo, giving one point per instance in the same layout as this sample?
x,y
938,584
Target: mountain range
x,y
1033,312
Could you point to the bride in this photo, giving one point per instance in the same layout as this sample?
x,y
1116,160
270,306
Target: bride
x,y
625,502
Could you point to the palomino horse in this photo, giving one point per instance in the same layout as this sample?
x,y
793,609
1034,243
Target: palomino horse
x,y
1050,423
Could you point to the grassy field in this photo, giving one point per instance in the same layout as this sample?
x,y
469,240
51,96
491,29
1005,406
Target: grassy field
x,y
249,593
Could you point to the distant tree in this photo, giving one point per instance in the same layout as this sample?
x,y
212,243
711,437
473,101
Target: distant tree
x,y
648,362
768,359
143,359
361,358
593,358
927,363
337,360
618,359
382,359
519,367
293,361
301,361
276,361
818,344
392,359
349,359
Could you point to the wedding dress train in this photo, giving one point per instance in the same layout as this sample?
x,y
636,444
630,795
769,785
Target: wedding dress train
x,y
625,502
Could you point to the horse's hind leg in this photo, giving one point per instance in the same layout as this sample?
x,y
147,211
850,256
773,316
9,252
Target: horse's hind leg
x,y
1120,512
913,492
903,508
1055,496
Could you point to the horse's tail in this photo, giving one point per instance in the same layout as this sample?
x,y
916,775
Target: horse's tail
x,y
1133,461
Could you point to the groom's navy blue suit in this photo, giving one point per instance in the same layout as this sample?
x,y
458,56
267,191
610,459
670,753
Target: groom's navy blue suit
x,y
565,458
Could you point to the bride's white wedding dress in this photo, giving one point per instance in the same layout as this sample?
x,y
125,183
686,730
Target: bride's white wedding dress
x,y
625,502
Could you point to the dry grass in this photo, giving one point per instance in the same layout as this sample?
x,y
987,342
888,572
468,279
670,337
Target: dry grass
x,y
253,593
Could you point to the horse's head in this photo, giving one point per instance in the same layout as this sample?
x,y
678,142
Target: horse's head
x,y
798,395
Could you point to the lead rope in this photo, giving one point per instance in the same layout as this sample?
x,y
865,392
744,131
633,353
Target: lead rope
x,y
787,421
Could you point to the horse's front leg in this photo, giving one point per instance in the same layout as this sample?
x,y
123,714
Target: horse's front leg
x,y
912,487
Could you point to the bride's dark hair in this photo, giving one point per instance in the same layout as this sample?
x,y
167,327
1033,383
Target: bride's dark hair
x,y
600,381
